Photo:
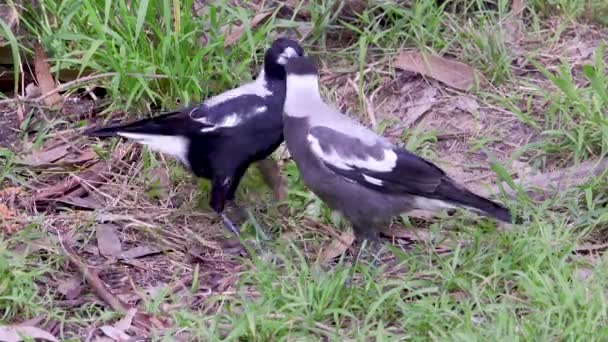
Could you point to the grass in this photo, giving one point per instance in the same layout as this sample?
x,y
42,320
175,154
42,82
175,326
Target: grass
x,y
462,279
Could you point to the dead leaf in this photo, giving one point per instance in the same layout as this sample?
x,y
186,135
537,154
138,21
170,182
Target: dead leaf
x,y
124,323
517,6
46,156
94,175
14,333
138,252
418,106
82,202
232,35
337,247
103,339
410,234
466,103
584,273
161,181
114,334
454,74
162,176
32,91
46,82
107,240
78,157
71,288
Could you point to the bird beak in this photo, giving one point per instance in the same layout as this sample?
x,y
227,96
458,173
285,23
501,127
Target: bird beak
x,y
288,53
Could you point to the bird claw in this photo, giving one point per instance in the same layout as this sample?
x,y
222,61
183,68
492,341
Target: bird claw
x,y
371,251
230,226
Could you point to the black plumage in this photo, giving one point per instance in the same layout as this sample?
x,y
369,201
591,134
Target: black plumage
x,y
221,137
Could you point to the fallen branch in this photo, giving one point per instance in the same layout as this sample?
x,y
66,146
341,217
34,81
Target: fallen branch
x,y
70,84
591,248
94,281
143,321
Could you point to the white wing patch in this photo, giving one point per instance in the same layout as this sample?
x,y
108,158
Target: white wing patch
x,y
175,146
385,164
372,180
228,121
261,110
432,204
332,158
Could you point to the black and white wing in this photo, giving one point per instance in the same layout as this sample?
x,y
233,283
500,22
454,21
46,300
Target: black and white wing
x,y
380,166
232,108
390,170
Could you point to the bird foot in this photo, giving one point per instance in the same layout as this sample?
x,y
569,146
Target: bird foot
x,y
230,226
371,251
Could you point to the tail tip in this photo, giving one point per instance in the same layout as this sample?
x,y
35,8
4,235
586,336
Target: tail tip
x,y
99,132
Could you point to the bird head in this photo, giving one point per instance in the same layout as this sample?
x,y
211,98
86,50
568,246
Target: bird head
x,y
281,50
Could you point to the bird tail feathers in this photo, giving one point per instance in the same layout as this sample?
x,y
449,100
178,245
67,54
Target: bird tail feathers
x,y
103,132
465,198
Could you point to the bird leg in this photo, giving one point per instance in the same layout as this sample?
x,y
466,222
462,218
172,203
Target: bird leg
x,y
271,174
218,201
370,245
234,210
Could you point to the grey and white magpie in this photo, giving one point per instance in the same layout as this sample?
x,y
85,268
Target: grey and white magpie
x,y
357,172
221,137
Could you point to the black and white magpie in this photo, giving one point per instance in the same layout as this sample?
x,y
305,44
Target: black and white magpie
x,y
221,137
357,172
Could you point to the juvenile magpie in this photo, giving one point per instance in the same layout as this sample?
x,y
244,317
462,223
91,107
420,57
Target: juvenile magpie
x,y
221,137
357,172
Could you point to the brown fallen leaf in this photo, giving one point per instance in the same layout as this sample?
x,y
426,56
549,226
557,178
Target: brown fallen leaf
x,y
452,73
78,157
419,105
16,333
271,174
107,240
125,323
46,82
82,202
114,334
517,6
117,331
138,252
337,247
71,288
93,175
46,156
160,180
233,34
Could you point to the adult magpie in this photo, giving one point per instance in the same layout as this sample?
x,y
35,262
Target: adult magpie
x,y
357,172
221,137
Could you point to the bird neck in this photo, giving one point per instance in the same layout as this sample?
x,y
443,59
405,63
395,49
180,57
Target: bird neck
x,y
272,70
302,95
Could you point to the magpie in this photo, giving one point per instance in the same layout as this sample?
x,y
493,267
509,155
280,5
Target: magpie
x,y
357,172
219,138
